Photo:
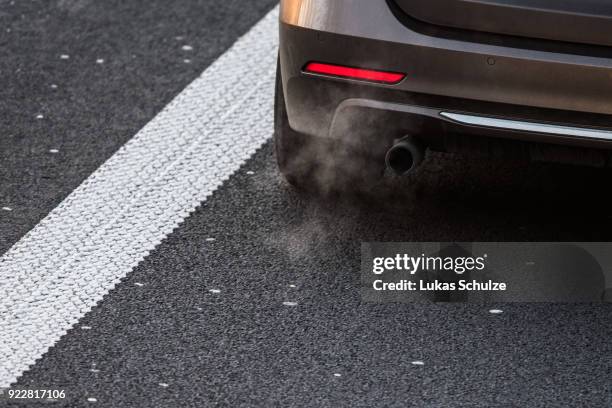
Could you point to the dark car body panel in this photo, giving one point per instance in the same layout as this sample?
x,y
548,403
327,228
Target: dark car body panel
x,y
583,21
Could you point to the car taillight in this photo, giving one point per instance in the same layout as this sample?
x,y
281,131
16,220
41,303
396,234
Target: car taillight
x,y
361,74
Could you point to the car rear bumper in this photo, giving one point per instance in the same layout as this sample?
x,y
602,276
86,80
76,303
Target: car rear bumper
x,y
443,75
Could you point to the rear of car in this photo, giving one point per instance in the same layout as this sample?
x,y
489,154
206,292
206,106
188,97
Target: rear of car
x,y
364,85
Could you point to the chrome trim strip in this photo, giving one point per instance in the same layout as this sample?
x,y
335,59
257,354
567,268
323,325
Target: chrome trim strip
x,y
509,124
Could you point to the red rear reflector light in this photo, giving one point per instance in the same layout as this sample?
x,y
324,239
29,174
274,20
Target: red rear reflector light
x,y
354,73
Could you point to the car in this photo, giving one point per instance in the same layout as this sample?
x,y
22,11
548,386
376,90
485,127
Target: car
x,y
367,87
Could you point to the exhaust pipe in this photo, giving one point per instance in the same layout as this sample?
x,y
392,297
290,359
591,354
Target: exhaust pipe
x,y
405,156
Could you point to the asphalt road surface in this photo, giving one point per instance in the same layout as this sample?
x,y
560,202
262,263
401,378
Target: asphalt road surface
x,y
253,300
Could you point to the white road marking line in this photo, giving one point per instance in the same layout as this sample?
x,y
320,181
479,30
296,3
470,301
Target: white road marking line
x,y
64,266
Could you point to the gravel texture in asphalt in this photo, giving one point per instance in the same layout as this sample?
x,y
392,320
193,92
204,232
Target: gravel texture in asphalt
x,y
81,77
255,301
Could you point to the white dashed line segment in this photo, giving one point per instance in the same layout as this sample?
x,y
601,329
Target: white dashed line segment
x,y
64,266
